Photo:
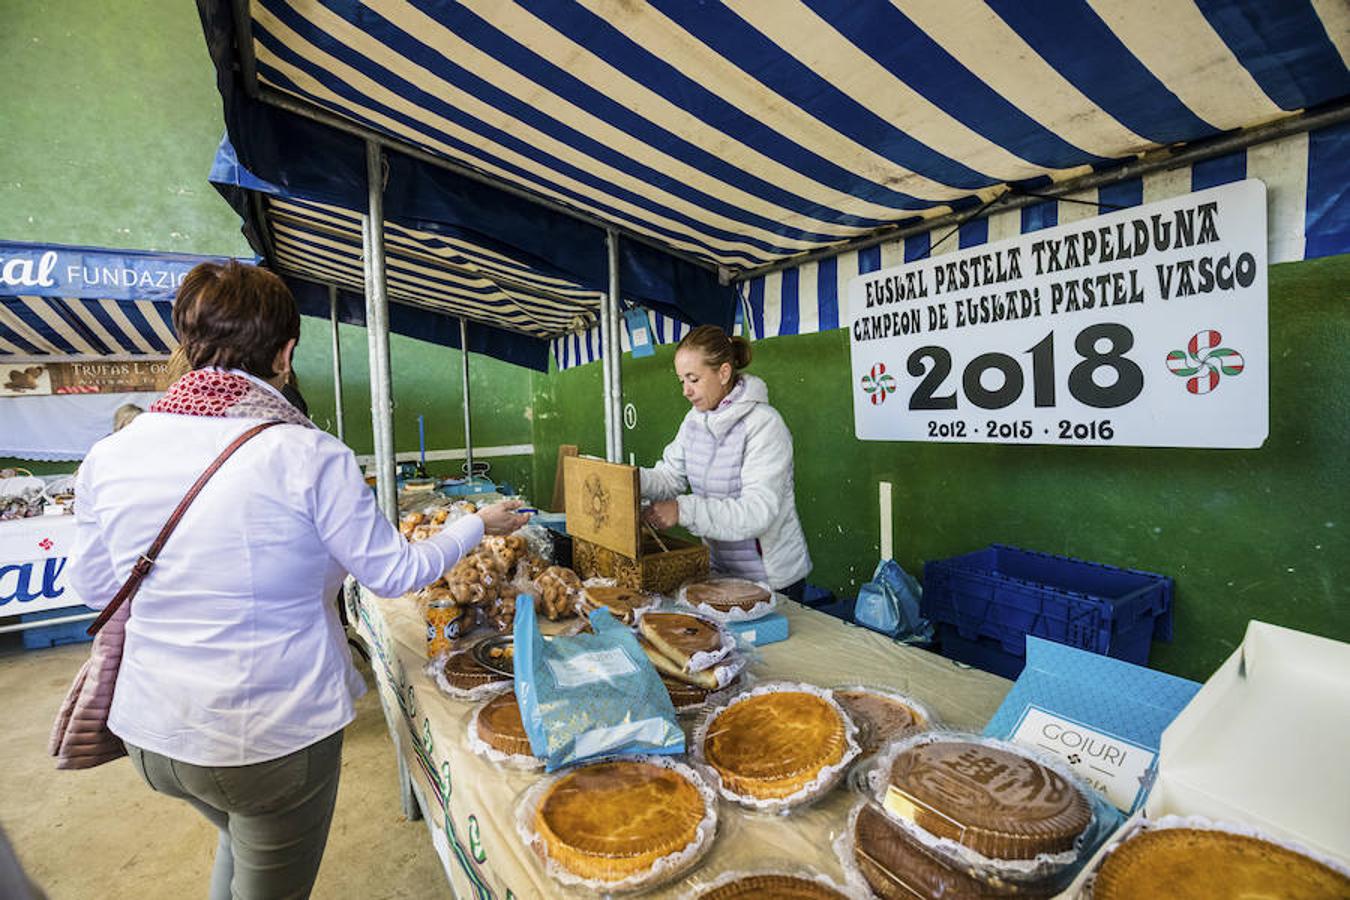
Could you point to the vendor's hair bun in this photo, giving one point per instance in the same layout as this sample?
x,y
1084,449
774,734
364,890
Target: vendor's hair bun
x,y
717,348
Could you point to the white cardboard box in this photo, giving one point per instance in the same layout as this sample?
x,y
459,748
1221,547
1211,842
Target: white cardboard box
x,y
1266,743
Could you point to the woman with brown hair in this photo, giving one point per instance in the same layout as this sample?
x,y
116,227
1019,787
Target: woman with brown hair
x,y
727,476
236,681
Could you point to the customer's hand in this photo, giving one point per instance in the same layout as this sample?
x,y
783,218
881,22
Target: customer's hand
x,y
502,518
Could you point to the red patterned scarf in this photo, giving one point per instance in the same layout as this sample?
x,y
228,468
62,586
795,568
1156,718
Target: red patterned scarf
x,y
215,392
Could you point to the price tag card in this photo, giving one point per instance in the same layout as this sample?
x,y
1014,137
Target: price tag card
x,y
1143,327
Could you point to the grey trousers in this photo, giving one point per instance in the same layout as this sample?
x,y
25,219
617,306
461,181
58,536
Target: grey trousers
x,y
273,816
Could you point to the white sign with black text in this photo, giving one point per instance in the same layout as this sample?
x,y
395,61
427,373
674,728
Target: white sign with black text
x,y
1115,767
1142,327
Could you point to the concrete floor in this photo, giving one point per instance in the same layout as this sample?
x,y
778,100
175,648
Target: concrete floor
x,y
103,834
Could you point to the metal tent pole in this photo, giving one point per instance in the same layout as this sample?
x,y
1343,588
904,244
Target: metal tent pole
x,y
614,402
464,368
337,362
606,374
377,335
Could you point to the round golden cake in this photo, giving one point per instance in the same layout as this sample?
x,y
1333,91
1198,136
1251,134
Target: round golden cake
x,y
771,745
613,820
726,594
467,673
500,727
999,803
772,887
880,717
898,867
1200,864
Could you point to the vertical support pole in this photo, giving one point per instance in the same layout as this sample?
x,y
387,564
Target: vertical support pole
x,y
377,335
468,424
337,362
606,373
614,402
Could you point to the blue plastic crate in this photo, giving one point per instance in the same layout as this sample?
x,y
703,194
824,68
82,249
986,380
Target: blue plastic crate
x,y
55,635
988,601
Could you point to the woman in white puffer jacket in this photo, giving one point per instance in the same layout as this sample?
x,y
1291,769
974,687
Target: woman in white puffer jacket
x,y
727,476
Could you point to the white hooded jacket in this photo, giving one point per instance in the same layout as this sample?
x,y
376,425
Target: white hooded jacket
x,y
743,455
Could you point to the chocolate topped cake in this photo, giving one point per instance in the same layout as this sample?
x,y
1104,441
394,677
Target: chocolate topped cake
x,y
996,802
726,594
898,867
1206,864
467,673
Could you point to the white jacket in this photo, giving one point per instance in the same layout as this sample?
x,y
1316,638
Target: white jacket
x,y
765,509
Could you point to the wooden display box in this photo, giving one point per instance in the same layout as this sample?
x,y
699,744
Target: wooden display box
x,y
608,541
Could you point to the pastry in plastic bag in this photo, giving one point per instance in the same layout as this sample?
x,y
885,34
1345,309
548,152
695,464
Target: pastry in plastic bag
x,y
410,522
559,590
997,802
896,866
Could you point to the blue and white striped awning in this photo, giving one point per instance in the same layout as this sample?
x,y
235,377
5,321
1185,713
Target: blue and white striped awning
x,y
85,303
442,273
1307,178
748,132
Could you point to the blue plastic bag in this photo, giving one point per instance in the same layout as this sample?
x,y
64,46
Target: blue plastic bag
x,y
889,603
590,695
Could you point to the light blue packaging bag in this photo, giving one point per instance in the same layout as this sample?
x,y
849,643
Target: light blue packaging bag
x,y
589,695
889,603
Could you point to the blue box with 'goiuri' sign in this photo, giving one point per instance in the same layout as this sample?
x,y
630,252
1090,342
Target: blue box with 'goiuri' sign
x,y
1102,717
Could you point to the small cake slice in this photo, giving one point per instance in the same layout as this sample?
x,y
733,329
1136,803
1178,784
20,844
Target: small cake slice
x,y
621,602
680,636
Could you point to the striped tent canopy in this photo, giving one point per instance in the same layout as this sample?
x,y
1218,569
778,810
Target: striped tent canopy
x,y
79,303
744,133
437,272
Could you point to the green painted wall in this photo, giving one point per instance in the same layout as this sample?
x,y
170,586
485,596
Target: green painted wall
x,y
427,382
1247,534
111,124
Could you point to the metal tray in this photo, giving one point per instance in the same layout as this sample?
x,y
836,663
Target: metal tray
x,y
502,665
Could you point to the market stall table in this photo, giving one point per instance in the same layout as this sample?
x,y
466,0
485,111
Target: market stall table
x,y
470,804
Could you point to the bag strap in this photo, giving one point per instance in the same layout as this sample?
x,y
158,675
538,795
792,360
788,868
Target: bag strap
x,y
147,559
